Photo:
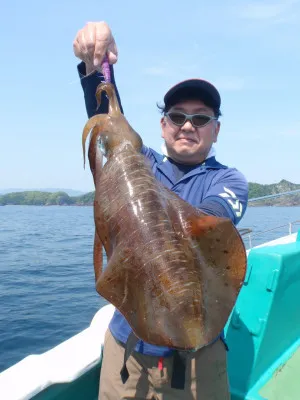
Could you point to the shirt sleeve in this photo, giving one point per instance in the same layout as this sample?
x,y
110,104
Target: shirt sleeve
x,y
89,85
228,197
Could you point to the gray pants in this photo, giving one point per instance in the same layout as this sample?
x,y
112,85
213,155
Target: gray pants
x,y
206,375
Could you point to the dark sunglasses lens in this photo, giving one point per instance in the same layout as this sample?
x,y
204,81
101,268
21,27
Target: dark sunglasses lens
x,y
200,120
177,118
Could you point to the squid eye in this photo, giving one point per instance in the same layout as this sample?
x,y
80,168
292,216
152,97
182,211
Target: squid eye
x,y
101,145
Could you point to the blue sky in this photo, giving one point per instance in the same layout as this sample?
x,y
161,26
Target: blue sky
x,y
249,50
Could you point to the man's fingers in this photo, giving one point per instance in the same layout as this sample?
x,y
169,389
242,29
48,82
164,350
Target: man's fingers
x,y
104,44
82,46
93,42
100,50
112,53
77,46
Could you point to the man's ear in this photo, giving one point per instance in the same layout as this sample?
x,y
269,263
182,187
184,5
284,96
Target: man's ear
x,y
162,125
216,131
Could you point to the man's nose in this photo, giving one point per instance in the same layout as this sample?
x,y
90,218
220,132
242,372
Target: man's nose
x,y
187,126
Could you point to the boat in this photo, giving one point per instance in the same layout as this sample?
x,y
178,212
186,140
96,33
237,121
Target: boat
x,y
262,333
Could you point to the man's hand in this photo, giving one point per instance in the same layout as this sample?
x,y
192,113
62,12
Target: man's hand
x,y
92,43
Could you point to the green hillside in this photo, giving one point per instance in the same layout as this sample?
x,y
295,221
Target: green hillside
x,y
38,198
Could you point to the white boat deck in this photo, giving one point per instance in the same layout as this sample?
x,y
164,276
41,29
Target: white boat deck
x,y
282,240
63,363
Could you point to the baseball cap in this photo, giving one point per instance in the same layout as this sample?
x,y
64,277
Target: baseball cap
x,y
193,89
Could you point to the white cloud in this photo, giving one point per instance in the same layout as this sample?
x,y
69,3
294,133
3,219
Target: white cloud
x,y
289,133
265,11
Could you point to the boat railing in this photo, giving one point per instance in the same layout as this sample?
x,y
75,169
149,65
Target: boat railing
x,y
250,234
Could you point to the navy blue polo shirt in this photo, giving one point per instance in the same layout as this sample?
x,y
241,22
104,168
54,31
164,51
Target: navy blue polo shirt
x,y
210,186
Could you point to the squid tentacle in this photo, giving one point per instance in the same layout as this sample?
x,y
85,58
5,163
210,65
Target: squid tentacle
x,y
113,104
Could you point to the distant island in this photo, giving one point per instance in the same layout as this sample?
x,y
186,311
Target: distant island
x,y
70,192
61,198
259,190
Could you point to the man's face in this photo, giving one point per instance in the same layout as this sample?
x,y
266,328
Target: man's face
x,y
187,144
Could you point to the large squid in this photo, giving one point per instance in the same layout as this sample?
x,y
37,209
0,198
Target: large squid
x,y
172,271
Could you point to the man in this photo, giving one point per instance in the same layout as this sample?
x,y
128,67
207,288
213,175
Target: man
x,y
190,126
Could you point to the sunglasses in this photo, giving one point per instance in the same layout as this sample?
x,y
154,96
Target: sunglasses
x,y
197,120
